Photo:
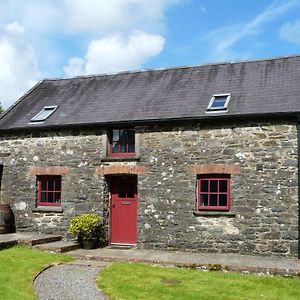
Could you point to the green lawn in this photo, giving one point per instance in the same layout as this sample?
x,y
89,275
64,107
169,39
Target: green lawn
x,y
141,281
18,267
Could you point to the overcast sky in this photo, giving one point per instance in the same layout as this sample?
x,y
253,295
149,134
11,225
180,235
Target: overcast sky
x,y
62,38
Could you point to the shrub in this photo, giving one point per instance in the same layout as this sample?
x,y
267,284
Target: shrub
x,y
85,227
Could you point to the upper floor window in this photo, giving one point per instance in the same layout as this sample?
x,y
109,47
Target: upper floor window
x,y
219,102
214,192
44,114
49,190
122,142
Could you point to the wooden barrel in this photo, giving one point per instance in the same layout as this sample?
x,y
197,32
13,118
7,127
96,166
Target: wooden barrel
x,y
7,220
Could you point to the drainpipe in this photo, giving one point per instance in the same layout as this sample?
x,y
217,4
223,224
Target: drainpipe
x,y
298,138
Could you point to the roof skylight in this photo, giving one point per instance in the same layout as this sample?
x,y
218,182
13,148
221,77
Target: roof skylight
x,y
44,114
219,102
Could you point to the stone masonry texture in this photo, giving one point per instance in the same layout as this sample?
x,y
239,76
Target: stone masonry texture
x,y
264,187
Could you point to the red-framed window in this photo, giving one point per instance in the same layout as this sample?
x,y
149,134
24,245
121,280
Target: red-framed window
x,y
122,142
49,190
214,192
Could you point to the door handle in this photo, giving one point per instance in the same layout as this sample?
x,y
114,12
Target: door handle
x,y
114,205
125,202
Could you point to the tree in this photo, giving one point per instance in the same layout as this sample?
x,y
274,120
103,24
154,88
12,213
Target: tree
x,y
1,109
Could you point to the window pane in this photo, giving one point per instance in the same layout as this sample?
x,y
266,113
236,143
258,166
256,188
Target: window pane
x,y
131,148
213,186
43,197
219,102
122,148
44,114
213,200
122,138
131,137
130,190
122,190
203,200
223,186
204,186
223,200
115,147
50,185
58,183
44,184
126,190
131,140
50,197
57,197
116,135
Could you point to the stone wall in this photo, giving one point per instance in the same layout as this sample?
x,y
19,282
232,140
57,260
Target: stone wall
x,y
82,190
264,192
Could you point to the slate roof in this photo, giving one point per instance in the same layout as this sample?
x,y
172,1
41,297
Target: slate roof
x,y
270,86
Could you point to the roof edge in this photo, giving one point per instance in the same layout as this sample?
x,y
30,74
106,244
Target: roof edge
x,y
21,98
283,115
173,68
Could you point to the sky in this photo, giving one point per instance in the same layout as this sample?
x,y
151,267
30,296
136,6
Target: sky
x,y
65,38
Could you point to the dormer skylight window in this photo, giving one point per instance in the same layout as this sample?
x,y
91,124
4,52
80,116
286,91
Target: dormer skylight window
x,y
219,102
45,113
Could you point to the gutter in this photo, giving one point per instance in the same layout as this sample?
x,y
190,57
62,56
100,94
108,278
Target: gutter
x,y
205,118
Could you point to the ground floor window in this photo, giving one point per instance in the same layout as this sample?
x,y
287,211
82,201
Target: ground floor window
x,y
213,192
49,190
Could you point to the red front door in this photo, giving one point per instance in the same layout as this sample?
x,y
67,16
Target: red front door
x,y
123,211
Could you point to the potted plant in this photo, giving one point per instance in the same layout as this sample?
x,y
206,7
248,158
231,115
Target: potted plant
x,y
86,228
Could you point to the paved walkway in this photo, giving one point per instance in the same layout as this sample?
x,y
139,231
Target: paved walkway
x,y
230,262
73,281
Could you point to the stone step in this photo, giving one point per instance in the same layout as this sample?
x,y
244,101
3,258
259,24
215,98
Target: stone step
x,y
121,247
38,239
59,246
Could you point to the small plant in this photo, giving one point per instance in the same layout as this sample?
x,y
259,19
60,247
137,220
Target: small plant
x,y
86,228
215,267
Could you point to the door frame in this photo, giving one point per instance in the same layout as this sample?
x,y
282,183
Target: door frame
x,y
113,181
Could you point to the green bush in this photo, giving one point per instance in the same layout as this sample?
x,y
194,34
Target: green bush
x,y
85,227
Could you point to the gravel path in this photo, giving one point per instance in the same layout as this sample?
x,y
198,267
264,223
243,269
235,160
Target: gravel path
x,y
69,281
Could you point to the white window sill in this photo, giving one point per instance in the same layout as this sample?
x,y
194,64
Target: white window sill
x,y
120,158
202,213
56,209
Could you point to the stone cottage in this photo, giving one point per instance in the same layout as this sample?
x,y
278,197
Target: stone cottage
x,y
201,158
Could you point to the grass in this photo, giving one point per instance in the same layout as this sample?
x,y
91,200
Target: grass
x,y
141,281
18,267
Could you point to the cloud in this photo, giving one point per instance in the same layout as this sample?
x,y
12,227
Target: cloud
x,y
123,23
75,67
224,39
290,32
18,64
43,36
114,53
38,17
98,16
